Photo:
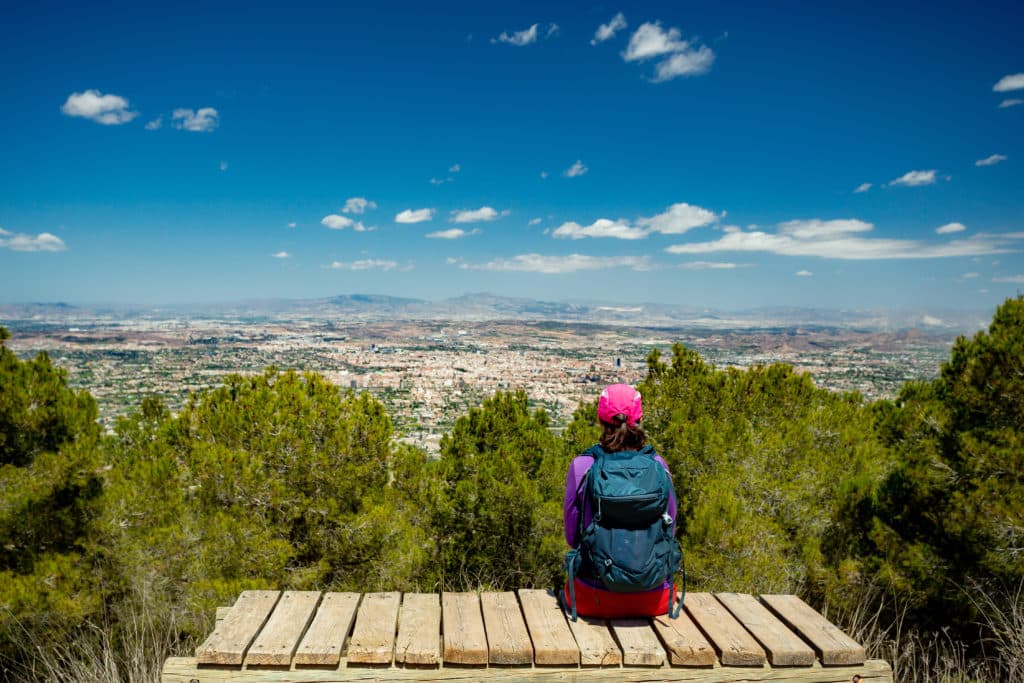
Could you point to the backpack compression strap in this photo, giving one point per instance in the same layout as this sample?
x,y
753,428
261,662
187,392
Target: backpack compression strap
x,y
571,560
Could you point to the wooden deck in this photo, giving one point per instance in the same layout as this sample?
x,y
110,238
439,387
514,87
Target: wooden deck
x,y
306,636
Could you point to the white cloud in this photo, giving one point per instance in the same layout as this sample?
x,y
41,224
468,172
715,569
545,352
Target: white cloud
x,y
17,241
1010,103
817,229
292,225
454,168
915,178
358,205
841,239
803,273
602,227
950,228
359,227
110,110
534,221
484,213
650,40
1009,82
679,218
606,31
708,265
685,59
336,222
991,160
863,187
518,38
1015,279
543,175
364,264
452,234
155,124
577,169
685,63
932,320
223,166
203,120
414,215
282,254
538,263
675,220
440,181
552,30
970,276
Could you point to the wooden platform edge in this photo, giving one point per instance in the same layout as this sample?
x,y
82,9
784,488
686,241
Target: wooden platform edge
x,y
185,670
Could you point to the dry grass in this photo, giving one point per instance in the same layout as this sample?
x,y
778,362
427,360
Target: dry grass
x,y
129,649
921,656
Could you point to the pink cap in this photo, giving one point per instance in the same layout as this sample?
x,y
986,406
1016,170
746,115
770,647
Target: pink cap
x,y
620,399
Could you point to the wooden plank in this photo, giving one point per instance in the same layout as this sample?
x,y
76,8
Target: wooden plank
x,y
184,670
465,641
373,638
597,647
784,647
686,645
508,641
553,644
639,642
419,630
832,645
221,613
232,637
735,646
321,646
276,643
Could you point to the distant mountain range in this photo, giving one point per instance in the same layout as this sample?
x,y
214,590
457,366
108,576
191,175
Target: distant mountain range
x,y
484,307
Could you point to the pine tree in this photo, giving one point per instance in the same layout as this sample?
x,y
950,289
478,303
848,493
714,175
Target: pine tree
x,y
49,487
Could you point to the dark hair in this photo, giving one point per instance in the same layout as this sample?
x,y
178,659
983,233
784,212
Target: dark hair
x,y
621,436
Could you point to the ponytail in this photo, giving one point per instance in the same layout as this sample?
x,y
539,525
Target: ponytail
x,y
619,435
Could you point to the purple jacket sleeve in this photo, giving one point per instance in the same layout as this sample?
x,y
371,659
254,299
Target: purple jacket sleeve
x,y
571,503
578,468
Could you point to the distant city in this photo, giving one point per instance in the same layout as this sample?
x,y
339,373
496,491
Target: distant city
x,y
431,362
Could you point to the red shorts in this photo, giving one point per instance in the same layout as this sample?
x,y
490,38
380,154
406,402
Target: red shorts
x,y
603,604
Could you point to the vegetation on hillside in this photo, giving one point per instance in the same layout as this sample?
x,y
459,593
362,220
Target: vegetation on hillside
x,y
903,519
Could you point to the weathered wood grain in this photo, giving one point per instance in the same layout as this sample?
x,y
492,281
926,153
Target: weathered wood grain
x,y
322,644
784,647
686,645
735,646
465,641
597,647
232,637
639,642
419,630
276,643
184,670
553,644
508,641
832,645
373,638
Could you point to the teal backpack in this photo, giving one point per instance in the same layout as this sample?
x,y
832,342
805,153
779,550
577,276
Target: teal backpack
x,y
629,545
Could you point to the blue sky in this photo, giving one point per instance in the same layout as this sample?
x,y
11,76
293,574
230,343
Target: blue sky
x,y
707,154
